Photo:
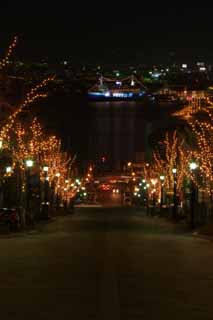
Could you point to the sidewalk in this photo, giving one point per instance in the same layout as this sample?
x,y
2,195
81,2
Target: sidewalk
x,y
205,232
30,229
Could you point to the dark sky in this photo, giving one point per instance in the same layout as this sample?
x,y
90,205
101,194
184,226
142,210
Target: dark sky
x,y
109,32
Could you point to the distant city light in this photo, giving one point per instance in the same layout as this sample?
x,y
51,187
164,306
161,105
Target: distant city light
x,y
201,64
118,83
184,66
156,75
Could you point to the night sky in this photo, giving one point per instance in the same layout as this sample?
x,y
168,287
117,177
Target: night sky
x,y
109,32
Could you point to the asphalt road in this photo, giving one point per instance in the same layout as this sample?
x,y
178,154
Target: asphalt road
x,y
106,264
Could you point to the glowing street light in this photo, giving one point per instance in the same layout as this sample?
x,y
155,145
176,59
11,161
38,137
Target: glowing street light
x,y
193,165
29,163
8,169
162,178
174,170
45,169
58,175
1,144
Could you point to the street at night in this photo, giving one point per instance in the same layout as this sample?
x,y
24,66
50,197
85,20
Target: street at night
x,y
106,161
106,263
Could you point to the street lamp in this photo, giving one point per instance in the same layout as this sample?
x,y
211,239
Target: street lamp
x,y
29,164
162,178
8,169
46,189
174,171
193,166
147,197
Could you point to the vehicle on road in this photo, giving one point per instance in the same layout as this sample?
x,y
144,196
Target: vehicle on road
x,y
127,199
9,217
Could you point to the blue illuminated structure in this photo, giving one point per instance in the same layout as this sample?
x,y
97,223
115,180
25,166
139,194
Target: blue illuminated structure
x,y
126,89
108,95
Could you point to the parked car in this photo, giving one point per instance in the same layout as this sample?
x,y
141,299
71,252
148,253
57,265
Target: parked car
x,y
127,198
10,218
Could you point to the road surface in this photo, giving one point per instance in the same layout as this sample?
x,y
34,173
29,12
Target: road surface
x,y
106,264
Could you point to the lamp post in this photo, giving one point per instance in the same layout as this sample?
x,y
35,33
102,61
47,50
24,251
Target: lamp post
x,y
29,164
153,182
174,212
57,193
8,197
147,186
193,166
162,179
46,189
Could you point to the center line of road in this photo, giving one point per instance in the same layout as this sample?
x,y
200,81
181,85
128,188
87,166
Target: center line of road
x,y
109,294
